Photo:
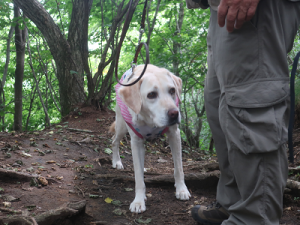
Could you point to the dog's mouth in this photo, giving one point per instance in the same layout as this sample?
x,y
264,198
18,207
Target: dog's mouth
x,y
171,123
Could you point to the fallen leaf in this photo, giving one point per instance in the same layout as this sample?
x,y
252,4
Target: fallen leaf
x,y
119,211
26,155
116,202
108,200
140,220
70,161
43,180
94,182
51,161
108,151
94,196
31,207
27,189
7,204
161,160
128,189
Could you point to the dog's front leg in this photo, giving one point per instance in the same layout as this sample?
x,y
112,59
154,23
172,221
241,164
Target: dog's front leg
x,y
173,134
138,155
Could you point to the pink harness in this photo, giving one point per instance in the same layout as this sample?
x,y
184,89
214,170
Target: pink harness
x,y
141,131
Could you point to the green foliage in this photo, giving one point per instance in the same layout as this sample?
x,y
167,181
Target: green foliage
x,y
190,57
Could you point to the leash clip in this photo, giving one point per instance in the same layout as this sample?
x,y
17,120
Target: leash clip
x,y
133,65
141,34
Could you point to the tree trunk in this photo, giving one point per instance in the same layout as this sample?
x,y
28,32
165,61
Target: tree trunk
x,y
66,53
2,99
20,37
106,59
176,44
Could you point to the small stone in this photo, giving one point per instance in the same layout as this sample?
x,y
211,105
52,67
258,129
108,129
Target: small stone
x,y
149,195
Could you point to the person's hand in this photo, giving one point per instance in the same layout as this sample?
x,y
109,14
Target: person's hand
x,y
236,12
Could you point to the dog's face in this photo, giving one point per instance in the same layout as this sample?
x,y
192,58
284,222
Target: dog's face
x,y
153,99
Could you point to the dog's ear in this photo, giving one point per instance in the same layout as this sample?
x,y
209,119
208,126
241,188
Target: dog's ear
x,y
178,84
131,96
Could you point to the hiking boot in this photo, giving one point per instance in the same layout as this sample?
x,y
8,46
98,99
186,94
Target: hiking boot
x,y
213,214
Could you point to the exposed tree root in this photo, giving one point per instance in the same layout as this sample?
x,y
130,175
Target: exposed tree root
x,y
293,185
47,218
3,209
17,175
205,167
79,130
18,220
61,213
167,179
23,176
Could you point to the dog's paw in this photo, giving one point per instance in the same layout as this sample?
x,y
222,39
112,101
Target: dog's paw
x,y
137,206
183,193
118,165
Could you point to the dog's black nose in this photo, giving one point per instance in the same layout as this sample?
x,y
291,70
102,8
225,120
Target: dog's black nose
x,y
173,114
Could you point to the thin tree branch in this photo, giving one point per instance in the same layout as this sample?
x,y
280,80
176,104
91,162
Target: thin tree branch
x,y
37,86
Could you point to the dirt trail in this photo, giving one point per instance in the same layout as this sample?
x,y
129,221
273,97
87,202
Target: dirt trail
x,y
75,159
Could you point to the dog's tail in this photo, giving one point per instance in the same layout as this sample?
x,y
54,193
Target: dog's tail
x,y
112,128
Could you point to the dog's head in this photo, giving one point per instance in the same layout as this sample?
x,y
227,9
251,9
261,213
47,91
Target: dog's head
x,y
152,100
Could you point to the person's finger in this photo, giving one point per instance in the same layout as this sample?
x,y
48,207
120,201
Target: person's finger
x,y
231,18
252,9
241,17
222,12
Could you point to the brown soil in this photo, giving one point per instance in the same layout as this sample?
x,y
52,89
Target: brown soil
x,y
77,166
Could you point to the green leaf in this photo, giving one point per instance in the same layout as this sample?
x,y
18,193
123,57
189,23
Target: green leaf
x,y
116,202
108,151
140,220
94,196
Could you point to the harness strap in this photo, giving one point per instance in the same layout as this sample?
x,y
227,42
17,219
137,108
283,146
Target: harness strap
x,y
141,136
137,133
292,110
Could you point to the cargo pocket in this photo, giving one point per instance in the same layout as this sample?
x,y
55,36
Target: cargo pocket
x,y
257,115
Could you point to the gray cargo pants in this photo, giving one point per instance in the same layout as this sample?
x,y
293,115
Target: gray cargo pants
x,y
247,105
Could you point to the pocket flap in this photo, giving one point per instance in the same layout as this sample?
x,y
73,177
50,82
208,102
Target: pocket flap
x,y
257,94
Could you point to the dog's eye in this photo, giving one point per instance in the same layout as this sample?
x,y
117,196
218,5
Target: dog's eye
x,y
172,91
152,95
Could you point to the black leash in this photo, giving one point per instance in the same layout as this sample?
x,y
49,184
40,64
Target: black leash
x,y
139,47
292,112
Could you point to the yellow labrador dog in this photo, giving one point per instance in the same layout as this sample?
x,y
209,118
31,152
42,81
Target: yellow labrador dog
x,y
146,110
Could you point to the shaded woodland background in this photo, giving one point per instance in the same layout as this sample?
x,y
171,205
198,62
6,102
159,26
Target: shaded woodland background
x,y
56,56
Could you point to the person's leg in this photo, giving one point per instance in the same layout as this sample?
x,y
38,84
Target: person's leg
x,y
252,71
226,185
227,191
260,177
